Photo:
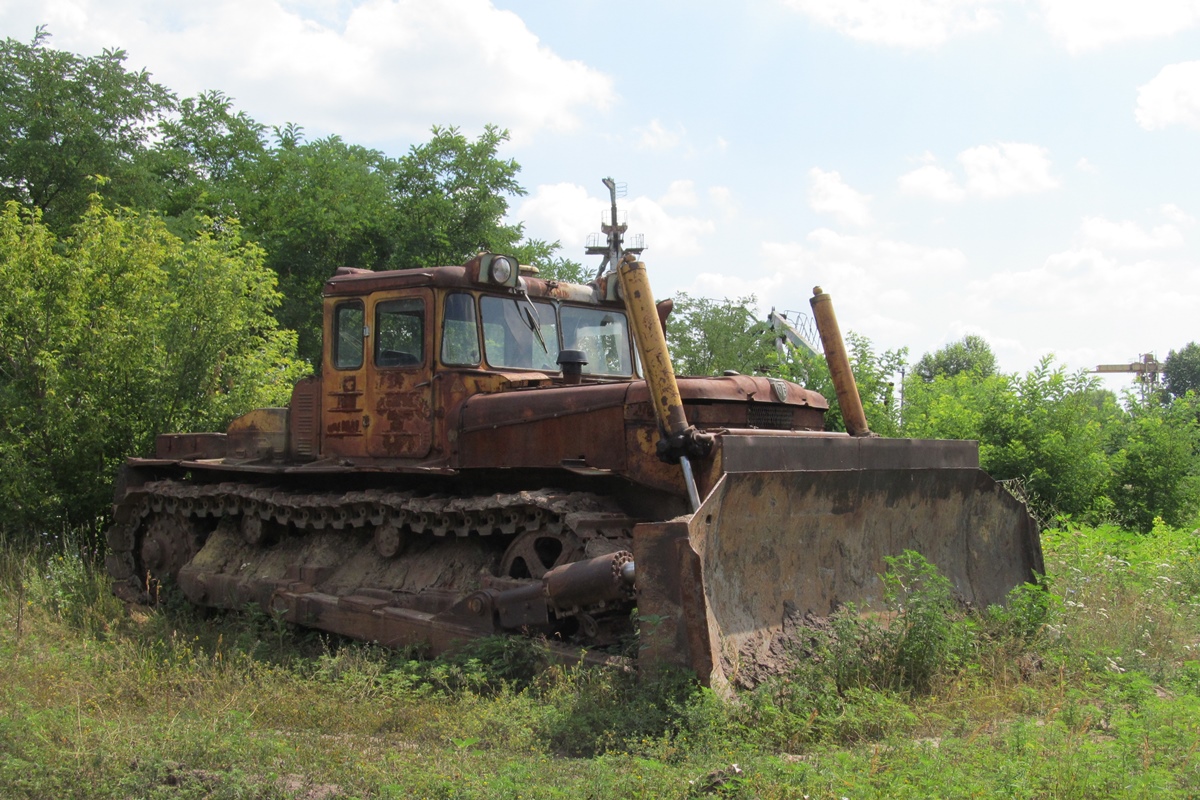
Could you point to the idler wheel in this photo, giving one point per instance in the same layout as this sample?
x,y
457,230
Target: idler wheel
x,y
388,540
252,529
166,546
259,532
534,553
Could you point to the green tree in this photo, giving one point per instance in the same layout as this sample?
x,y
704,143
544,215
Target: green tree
x,y
970,354
117,333
70,126
1156,463
314,207
451,196
707,337
202,158
1047,428
551,266
66,118
1182,370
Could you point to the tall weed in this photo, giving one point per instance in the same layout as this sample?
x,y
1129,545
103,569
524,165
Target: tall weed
x,y
923,633
1129,600
63,577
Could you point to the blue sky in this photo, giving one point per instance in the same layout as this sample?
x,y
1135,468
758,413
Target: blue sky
x,y
1026,171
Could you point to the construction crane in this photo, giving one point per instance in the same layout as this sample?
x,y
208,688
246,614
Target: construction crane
x,y
1145,370
796,328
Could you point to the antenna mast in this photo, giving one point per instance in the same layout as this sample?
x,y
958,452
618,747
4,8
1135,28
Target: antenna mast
x,y
614,233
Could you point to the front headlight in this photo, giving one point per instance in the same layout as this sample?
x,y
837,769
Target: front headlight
x,y
502,269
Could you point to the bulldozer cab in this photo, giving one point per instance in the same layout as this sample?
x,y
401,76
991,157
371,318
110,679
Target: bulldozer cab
x,y
399,345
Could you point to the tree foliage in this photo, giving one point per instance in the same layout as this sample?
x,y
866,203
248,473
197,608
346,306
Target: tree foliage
x,y
1182,370
1156,463
451,193
1077,451
1046,428
64,119
313,206
970,354
318,205
117,333
707,337
203,157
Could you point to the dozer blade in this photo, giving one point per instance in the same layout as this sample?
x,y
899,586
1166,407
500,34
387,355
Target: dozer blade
x,y
725,590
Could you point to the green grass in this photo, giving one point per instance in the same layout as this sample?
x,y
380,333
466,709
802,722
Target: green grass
x,y
1086,687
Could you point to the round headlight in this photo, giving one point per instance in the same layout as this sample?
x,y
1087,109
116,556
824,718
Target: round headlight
x,y
502,269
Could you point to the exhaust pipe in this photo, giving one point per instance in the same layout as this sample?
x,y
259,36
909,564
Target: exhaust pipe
x,y
839,364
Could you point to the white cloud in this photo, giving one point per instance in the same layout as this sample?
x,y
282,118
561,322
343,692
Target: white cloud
x,y
1171,97
722,199
1083,165
933,182
1074,283
1128,235
679,193
377,70
656,137
1177,215
867,255
562,212
829,194
567,213
1076,25
872,279
901,23
1000,170
1056,304
1082,25
1006,169
667,234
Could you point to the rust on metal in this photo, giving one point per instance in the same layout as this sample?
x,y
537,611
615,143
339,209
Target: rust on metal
x,y
839,364
443,479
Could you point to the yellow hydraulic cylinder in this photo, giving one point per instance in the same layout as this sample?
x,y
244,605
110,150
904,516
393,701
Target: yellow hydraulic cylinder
x,y
652,346
839,364
651,343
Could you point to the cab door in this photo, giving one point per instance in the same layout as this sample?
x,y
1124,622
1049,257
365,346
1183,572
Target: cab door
x,y
399,416
344,379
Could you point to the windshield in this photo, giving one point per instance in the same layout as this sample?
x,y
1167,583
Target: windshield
x,y
602,335
522,334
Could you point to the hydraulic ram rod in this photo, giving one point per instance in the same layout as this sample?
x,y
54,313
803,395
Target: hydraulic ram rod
x,y
656,361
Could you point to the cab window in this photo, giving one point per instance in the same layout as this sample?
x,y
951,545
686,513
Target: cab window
x,y
520,334
603,335
347,341
400,332
460,332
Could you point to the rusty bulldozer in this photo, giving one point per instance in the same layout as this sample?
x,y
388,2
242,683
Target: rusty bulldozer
x,y
479,455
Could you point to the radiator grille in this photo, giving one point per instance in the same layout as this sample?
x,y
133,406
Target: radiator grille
x,y
304,424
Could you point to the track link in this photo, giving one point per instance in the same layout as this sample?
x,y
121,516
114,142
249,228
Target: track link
x,y
232,543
